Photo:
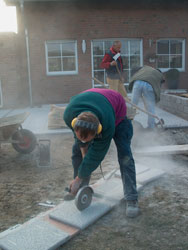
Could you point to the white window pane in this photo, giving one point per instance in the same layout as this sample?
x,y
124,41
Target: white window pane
x,y
54,64
68,49
134,61
163,47
97,62
163,62
108,45
54,49
175,61
98,48
134,47
69,64
125,60
124,48
175,47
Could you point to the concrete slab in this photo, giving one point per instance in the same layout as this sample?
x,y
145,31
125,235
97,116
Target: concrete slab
x,y
109,190
171,121
68,213
4,112
163,150
140,168
60,224
38,235
149,176
37,122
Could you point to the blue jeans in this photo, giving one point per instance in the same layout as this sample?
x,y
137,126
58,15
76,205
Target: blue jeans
x,y
122,139
141,88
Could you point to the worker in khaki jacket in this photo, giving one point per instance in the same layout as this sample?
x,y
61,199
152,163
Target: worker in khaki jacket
x,y
146,84
96,116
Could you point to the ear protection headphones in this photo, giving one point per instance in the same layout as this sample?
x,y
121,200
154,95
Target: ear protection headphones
x,y
84,124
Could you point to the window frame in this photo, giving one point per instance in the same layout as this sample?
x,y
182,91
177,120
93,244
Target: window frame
x,y
182,69
59,73
1,96
126,40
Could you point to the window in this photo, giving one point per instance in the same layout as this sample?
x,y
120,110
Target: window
x,y
61,57
131,53
170,54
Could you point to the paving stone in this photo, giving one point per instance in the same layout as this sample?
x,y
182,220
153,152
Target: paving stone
x,y
68,213
169,119
38,235
149,176
111,189
163,150
140,168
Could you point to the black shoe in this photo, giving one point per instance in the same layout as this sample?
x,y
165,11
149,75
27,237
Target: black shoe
x,y
132,209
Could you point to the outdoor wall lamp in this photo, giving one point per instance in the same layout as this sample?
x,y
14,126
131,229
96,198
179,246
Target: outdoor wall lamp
x,y
150,42
84,46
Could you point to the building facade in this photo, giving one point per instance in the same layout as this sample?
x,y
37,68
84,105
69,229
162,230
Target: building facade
x,y
60,45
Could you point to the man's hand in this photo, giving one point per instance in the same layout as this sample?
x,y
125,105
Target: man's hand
x,y
113,63
75,184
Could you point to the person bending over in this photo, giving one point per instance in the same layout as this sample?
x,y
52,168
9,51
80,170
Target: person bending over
x,y
96,116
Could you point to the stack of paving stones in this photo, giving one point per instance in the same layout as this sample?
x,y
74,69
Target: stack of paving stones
x,y
53,228
177,105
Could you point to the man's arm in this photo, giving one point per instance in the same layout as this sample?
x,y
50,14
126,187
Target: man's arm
x,y
84,151
106,62
94,156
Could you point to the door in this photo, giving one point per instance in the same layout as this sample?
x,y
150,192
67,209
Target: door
x,y
131,52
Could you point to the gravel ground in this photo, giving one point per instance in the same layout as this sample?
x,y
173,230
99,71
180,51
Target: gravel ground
x,y
163,223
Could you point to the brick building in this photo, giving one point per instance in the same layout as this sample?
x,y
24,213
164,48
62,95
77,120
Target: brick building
x,y
60,44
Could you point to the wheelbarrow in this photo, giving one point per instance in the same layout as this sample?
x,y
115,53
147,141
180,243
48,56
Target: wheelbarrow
x,y
11,131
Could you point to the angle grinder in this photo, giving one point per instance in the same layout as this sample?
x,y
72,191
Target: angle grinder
x,y
84,197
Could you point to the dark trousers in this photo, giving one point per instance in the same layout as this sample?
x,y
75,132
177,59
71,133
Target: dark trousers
x,y
122,138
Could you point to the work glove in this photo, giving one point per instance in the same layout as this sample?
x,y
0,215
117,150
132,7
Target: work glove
x,y
75,185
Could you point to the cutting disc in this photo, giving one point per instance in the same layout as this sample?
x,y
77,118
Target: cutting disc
x,y
83,198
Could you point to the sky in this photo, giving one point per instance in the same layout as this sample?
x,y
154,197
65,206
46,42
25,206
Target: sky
x,y
8,19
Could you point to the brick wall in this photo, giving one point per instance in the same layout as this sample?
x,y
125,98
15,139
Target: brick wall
x,y
57,21
14,87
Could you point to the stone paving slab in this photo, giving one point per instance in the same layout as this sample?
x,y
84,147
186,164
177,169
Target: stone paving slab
x,y
149,176
69,214
37,122
171,121
140,168
163,150
61,223
38,235
111,190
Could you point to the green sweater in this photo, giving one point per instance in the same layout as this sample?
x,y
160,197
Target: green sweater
x,y
101,107
151,76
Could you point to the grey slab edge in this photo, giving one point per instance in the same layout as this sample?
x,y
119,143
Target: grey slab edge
x,y
69,214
